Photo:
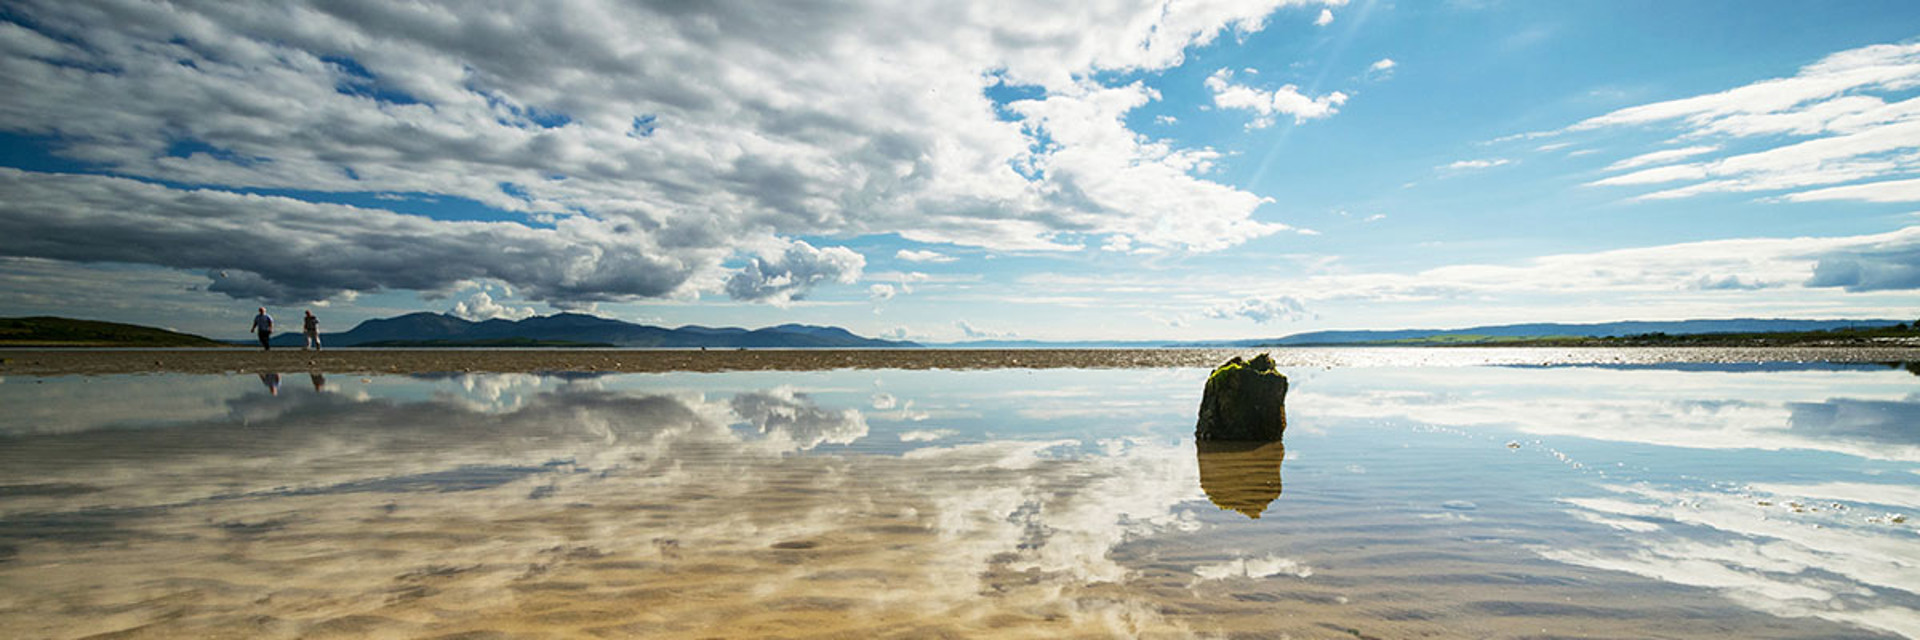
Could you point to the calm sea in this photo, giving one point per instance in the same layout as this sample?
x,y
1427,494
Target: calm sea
x,y
1706,500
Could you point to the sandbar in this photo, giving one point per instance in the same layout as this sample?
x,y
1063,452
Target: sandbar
x,y
57,362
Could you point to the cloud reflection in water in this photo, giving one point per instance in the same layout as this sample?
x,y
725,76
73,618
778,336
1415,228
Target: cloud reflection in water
x,y
1065,501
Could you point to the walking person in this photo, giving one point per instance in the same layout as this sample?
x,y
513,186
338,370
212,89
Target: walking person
x,y
263,325
312,328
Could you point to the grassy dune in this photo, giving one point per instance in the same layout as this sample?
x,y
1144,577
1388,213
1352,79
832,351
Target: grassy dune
x,y
43,331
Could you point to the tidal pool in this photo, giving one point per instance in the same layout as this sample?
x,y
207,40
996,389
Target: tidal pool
x,y
1481,501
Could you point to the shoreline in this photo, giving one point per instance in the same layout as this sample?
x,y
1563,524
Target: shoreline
x,y
61,362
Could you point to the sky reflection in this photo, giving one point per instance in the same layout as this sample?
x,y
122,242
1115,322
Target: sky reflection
x,y
944,498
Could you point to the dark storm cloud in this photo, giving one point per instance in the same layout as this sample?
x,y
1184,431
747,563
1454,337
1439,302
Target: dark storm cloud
x,y
286,250
1879,269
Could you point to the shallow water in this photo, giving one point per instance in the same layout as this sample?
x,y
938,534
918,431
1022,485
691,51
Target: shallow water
x,y
1721,500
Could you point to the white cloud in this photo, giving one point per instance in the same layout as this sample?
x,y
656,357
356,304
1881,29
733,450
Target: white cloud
x,y
1260,310
679,145
1907,190
1833,120
880,293
1469,165
1106,169
911,255
926,435
1382,68
1286,100
1326,18
1662,156
780,278
481,306
1891,67
1814,276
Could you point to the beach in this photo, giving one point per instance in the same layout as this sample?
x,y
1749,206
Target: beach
x,y
53,362
1455,493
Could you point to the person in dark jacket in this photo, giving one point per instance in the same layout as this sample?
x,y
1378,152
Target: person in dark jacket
x,y
263,325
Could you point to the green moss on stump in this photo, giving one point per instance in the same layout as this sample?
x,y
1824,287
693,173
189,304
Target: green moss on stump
x,y
1244,401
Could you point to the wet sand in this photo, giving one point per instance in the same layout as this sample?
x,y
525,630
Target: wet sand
x,y
372,361
827,548
402,508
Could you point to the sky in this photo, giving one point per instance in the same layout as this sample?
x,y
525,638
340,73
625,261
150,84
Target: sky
x,y
1107,170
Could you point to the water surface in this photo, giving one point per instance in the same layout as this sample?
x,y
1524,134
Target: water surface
x,y
1723,500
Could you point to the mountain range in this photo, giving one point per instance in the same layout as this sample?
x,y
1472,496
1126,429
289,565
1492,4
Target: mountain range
x,y
574,329
580,330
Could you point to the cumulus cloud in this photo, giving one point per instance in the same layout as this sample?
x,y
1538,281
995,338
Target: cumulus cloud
x,y
1287,100
1326,18
1847,118
1260,310
481,306
792,273
1382,68
646,144
1101,169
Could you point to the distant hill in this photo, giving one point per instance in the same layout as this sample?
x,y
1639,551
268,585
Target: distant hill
x,y
48,331
575,329
1514,334
1511,332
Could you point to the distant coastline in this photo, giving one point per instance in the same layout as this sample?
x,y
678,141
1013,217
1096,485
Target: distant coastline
x,y
577,331
456,361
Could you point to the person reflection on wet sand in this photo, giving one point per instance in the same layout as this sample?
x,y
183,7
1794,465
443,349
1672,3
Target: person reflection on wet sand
x,y
272,380
319,380
1241,476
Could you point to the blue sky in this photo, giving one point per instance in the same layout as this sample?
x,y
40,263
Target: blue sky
x,y
1109,170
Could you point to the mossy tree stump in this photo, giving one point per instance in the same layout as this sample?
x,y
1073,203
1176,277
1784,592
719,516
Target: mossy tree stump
x,y
1245,401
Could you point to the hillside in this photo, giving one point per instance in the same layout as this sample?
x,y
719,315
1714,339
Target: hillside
x,y
47,331
576,330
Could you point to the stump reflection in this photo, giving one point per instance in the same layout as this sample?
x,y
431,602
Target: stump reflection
x,y
1241,476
